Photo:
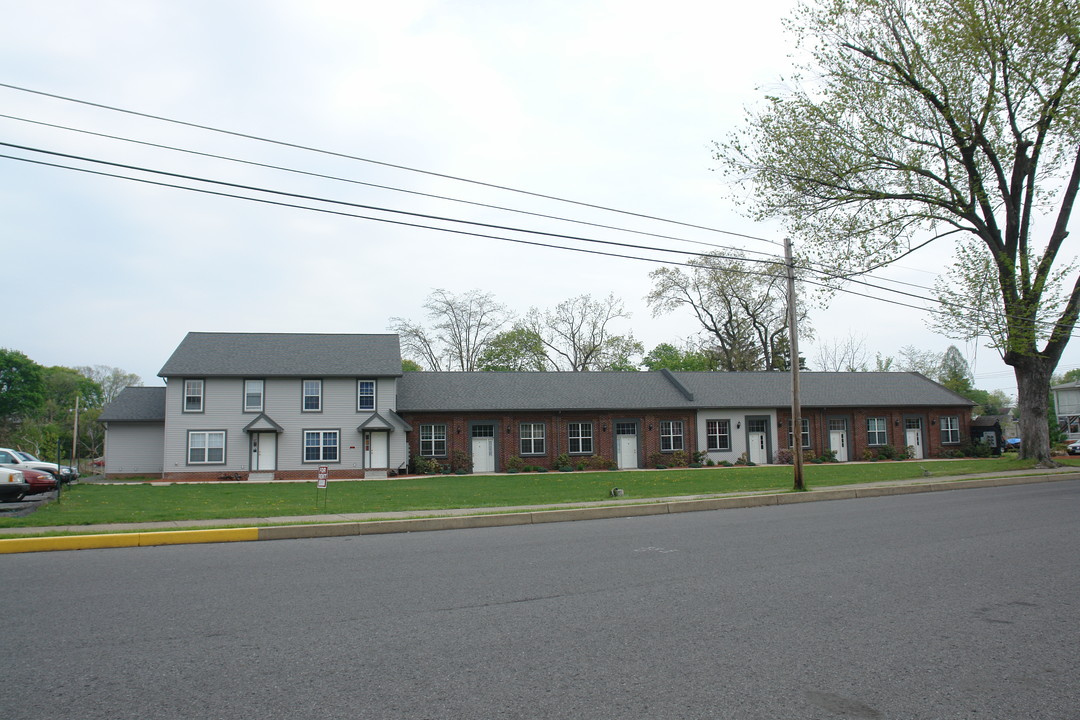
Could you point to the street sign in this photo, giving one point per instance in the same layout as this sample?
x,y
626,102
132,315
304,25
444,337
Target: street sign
x,y
324,475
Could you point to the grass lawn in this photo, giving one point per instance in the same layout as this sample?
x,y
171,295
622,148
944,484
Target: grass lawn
x,y
89,504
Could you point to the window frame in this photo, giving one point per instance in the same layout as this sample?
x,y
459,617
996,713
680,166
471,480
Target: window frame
x,y
304,395
207,447
668,436
374,395
322,459
883,431
432,441
805,422
201,395
713,434
584,435
262,395
535,441
953,430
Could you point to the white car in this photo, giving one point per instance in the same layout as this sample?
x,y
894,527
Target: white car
x,y
23,460
13,485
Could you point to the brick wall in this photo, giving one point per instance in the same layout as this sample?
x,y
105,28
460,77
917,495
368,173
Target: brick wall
x,y
895,430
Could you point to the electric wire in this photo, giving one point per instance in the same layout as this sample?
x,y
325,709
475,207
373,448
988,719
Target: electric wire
x,y
391,188
332,153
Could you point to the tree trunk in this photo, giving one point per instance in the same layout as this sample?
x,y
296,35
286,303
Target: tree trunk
x,y
1033,397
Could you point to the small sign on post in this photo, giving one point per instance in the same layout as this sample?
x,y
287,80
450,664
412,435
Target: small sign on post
x,y
323,476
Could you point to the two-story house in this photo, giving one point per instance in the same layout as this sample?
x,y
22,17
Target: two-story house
x,y
273,405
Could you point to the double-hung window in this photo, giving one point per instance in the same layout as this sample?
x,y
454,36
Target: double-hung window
x,y
253,395
671,436
312,396
580,438
805,422
365,394
532,439
950,429
876,431
320,446
433,440
193,395
206,447
718,434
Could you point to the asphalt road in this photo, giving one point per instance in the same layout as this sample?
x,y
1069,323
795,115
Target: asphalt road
x,y
937,605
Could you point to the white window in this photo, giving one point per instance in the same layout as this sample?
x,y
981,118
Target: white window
x,y
433,440
193,396
320,445
950,430
206,447
253,395
312,396
365,394
875,431
805,422
580,437
671,435
718,434
532,439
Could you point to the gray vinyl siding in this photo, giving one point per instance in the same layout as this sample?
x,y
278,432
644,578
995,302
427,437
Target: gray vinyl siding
x,y
739,435
134,447
282,402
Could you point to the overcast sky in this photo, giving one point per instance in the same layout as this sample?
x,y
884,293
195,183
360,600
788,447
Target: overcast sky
x,y
608,103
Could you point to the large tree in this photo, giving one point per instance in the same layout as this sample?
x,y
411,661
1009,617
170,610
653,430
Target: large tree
x,y
916,120
740,304
461,327
110,379
22,387
579,334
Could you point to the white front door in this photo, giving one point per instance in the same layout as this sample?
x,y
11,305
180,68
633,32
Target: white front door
x,y
627,452
483,454
838,444
263,451
914,441
758,454
375,449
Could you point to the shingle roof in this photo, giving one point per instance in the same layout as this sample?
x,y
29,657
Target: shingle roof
x,y
489,391
284,354
136,404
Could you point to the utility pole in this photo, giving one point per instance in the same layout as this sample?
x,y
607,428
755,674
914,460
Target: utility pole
x,y
75,432
793,334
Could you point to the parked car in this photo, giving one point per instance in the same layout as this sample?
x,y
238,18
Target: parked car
x,y
1073,448
12,485
24,460
39,481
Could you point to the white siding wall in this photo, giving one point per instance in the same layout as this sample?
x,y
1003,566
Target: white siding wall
x,y
282,403
739,435
134,448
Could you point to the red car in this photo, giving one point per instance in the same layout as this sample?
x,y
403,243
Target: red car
x,y
40,481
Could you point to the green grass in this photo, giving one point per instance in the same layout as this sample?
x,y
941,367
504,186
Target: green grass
x,y
90,504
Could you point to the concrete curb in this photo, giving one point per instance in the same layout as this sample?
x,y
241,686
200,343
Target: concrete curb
x,y
458,522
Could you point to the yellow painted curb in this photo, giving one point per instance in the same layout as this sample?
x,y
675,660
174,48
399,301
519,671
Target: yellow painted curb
x,y
146,539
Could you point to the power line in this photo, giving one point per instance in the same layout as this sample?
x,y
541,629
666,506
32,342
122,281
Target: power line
x,y
347,156
391,188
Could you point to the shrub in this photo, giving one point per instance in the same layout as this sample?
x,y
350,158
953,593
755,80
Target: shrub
x,y
710,462
679,458
724,463
515,464
598,462
828,456
657,459
784,456
888,452
700,457
425,466
565,468
563,460
869,455
460,461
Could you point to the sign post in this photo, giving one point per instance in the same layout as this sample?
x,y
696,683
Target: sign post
x,y
324,476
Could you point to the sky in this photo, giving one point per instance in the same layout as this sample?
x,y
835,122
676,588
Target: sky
x,y
607,103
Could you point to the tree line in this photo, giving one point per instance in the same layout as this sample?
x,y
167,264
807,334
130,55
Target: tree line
x,y
37,405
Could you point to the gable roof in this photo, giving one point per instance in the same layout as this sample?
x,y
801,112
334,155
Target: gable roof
x,y
492,391
284,354
136,404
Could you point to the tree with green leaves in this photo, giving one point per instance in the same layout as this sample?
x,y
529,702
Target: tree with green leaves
x,y
740,305
518,350
666,356
22,387
909,122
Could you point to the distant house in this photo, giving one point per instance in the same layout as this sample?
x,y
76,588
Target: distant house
x,y
1067,404
282,405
